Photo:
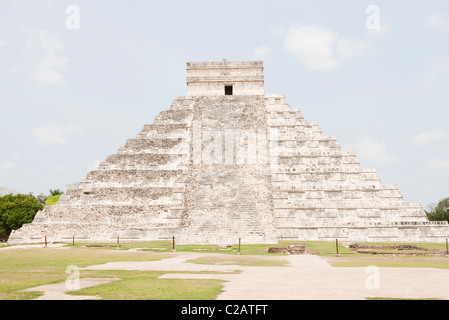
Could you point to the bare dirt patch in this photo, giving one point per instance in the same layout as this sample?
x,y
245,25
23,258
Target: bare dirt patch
x,y
395,250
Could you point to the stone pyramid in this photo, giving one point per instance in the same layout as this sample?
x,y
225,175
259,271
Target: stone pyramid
x,y
225,162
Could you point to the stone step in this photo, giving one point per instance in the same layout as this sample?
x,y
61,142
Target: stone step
x,y
161,128
137,145
147,175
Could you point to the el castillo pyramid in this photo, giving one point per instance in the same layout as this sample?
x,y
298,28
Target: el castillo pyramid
x,y
228,161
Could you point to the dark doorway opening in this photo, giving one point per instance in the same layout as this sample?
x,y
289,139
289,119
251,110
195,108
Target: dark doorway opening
x,y
228,90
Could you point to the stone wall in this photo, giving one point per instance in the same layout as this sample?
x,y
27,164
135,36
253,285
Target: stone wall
x,y
209,78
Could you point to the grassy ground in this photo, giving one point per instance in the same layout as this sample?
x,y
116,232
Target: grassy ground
x,y
329,248
240,260
166,246
141,285
27,268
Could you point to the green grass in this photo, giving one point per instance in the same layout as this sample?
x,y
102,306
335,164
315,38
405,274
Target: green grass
x,y
166,246
438,246
239,260
325,248
350,258
322,248
245,249
328,248
146,286
27,268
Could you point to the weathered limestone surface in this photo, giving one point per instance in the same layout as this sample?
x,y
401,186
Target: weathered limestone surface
x,y
215,168
209,78
227,200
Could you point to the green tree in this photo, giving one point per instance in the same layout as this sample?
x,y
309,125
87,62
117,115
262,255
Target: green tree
x,y
17,210
42,198
52,200
56,192
439,212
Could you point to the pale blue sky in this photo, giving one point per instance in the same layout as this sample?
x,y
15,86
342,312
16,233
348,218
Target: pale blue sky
x,y
69,98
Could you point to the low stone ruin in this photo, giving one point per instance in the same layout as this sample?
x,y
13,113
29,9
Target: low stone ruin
x,y
293,249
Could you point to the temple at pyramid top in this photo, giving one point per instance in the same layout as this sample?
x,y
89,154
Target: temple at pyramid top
x,y
225,78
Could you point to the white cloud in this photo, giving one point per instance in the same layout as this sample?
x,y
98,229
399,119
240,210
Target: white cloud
x,y
429,137
59,168
7,165
438,72
277,31
350,48
379,32
261,52
49,66
313,46
31,53
436,20
11,164
371,151
438,164
318,48
93,165
51,133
